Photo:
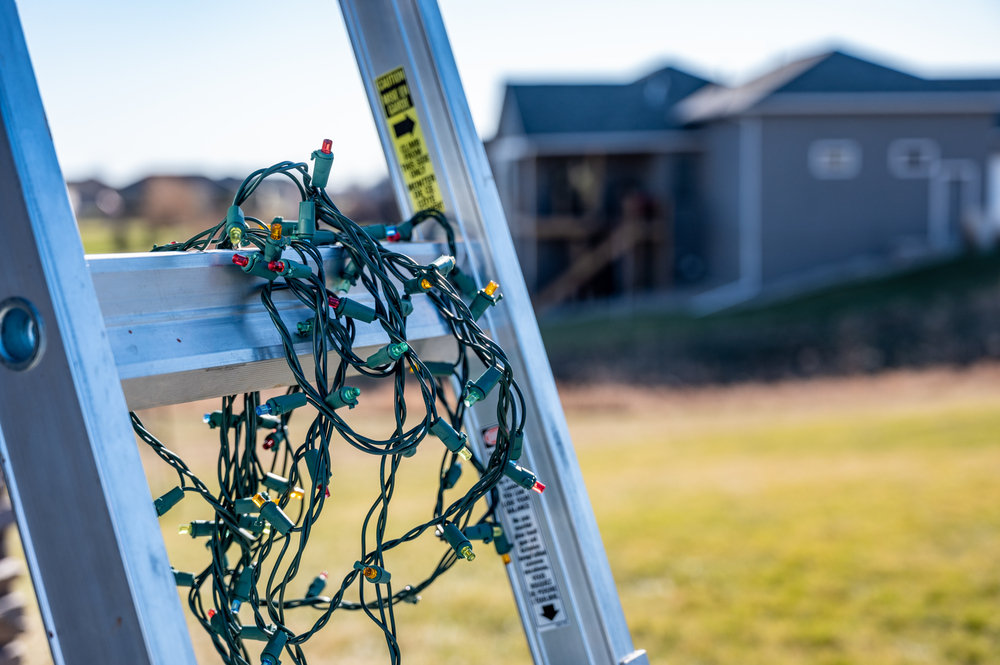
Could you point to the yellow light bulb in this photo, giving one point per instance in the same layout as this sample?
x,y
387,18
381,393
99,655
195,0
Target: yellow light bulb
x,y
275,230
505,558
425,284
297,493
184,529
467,553
491,288
465,454
369,572
235,236
259,500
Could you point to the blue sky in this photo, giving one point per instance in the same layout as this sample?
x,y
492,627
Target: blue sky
x,y
227,86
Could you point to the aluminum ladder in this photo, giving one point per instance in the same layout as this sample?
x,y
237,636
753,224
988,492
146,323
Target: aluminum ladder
x,y
84,339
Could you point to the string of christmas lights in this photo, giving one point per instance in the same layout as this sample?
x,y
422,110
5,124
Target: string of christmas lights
x,y
260,518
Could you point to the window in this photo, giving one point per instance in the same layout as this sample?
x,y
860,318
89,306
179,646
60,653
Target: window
x,y
835,159
913,158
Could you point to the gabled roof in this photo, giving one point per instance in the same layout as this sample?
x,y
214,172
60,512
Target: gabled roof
x,y
87,187
831,72
644,104
189,179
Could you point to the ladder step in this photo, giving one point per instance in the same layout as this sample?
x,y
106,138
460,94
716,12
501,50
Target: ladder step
x,y
185,326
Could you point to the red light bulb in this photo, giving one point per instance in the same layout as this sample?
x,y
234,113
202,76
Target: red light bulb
x,y
240,260
327,147
268,442
334,301
276,266
538,487
211,613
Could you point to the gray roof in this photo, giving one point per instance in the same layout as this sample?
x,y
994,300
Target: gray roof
x,y
832,72
642,105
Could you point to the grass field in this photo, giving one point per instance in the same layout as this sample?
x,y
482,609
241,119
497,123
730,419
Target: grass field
x,y
831,522
945,312
98,236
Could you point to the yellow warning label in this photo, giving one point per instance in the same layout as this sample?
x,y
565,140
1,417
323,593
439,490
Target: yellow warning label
x,y
411,149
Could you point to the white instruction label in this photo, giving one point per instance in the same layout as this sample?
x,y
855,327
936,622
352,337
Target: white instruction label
x,y
531,557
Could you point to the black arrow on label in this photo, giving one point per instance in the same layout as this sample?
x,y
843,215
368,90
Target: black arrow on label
x,y
404,126
549,611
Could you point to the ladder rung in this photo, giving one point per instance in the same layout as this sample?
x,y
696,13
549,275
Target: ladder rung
x,y
188,326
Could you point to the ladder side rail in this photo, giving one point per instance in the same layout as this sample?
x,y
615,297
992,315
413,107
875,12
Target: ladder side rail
x,y
90,533
411,34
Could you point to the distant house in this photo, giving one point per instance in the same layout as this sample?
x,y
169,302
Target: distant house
x,y
189,203
826,167
598,185
199,201
175,200
93,198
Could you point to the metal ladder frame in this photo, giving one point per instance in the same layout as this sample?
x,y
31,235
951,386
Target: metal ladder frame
x,y
66,447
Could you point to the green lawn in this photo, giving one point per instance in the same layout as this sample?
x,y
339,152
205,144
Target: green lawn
x,y
944,312
98,236
859,536
829,522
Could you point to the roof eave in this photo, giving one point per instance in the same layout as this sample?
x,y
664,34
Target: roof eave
x,y
512,148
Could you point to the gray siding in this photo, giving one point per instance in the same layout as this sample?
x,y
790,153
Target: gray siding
x,y
811,224
720,201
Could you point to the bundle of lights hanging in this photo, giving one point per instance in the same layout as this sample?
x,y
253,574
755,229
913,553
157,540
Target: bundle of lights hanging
x,y
259,521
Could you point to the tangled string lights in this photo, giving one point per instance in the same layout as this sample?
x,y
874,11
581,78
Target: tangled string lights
x,y
272,488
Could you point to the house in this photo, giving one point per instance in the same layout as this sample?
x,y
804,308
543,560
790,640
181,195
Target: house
x,y
191,203
598,185
197,201
176,200
92,198
822,169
